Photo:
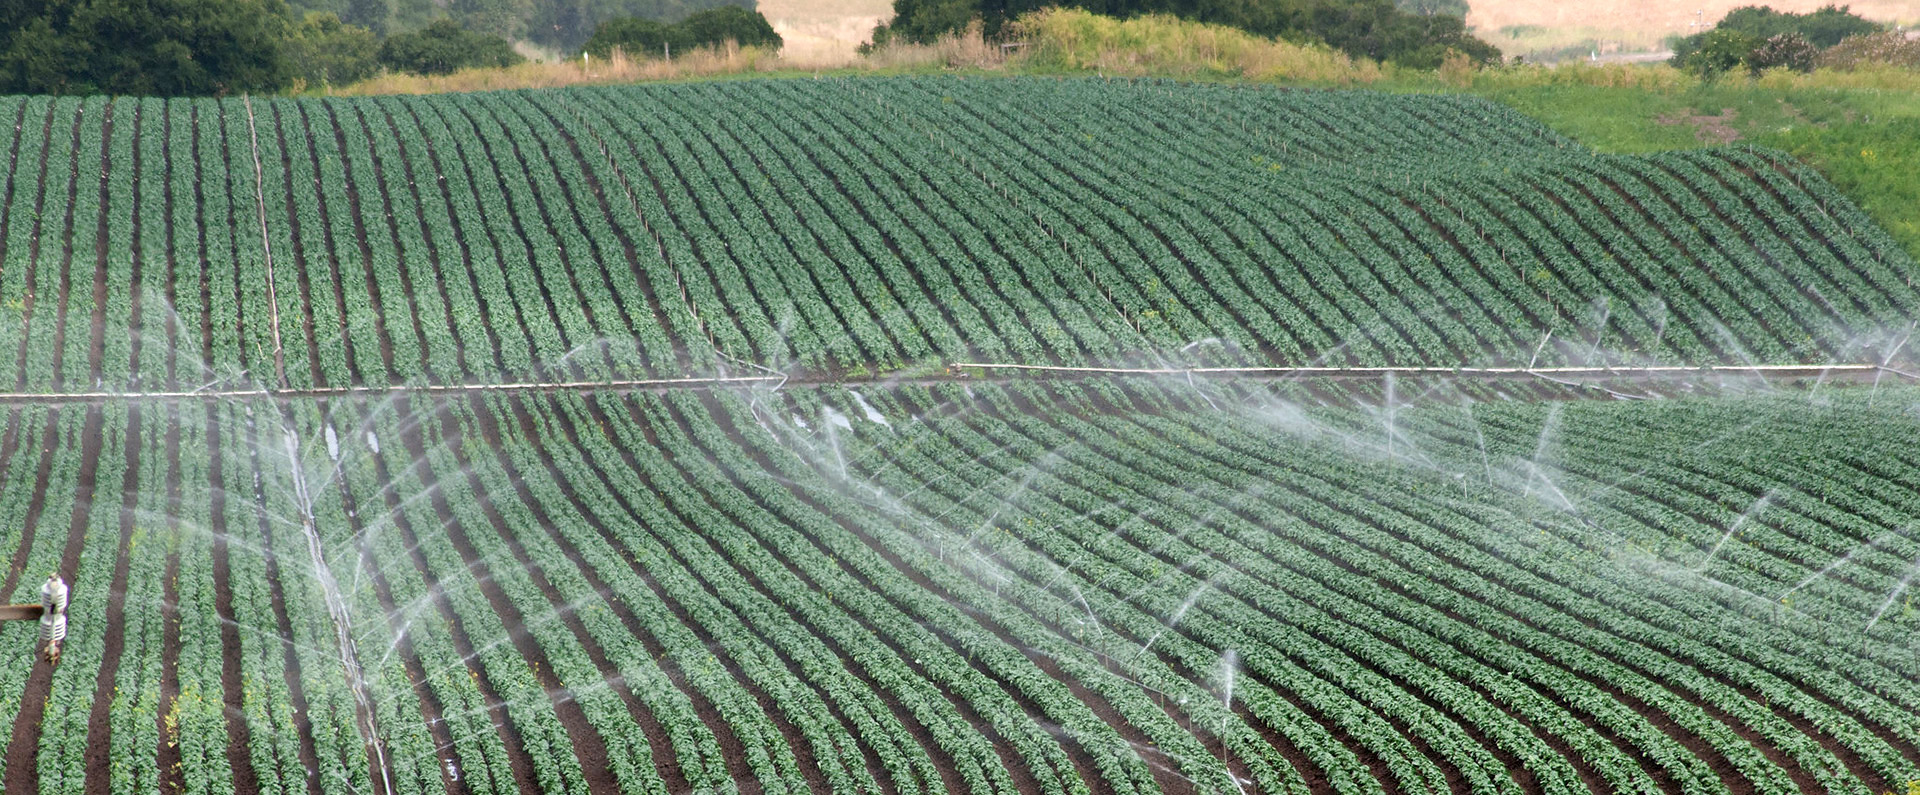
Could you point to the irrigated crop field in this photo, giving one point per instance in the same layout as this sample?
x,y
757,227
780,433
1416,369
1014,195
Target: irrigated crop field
x,y
661,440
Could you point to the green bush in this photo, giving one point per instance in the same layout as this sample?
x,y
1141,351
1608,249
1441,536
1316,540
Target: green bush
x,y
1718,51
638,38
1889,48
444,48
1783,51
143,47
645,38
745,27
327,52
1822,28
1374,29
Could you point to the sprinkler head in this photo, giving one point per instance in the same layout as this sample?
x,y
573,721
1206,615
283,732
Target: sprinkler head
x,y
53,617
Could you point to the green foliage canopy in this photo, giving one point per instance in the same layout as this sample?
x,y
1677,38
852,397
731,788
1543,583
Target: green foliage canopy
x,y
147,47
443,48
1452,8
326,51
645,37
1709,52
1375,29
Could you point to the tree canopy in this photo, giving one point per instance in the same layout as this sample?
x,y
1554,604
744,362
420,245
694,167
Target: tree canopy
x,y
443,48
326,51
563,25
1375,29
646,37
155,47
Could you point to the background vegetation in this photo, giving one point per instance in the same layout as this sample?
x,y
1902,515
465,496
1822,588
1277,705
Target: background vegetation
x,y
710,28
1861,128
559,25
1376,29
1760,38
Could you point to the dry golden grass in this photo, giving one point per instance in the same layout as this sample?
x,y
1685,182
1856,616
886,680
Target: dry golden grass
x,y
963,51
619,69
966,50
825,29
1073,39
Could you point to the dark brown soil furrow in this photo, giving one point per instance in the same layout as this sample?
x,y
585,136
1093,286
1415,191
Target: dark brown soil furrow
x,y
432,712
99,742
518,759
49,440
13,172
276,579
135,287
300,244
172,288
97,314
359,214
589,748
172,775
384,175
205,312
23,758
232,668
39,230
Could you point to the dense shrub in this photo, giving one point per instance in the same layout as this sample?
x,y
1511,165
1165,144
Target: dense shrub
x,y
642,38
143,47
1783,51
1374,29
443,48
1759,24
324,51
1891,48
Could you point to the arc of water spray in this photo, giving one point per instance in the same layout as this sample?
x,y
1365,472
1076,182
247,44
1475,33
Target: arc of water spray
x,y
1913,570
1841,562
336,608
1758,506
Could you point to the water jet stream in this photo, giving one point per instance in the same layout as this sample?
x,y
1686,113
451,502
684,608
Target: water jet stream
x,y
337,609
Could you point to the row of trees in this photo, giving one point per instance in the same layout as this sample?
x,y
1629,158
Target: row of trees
x,y
560,25
1421,34
214,47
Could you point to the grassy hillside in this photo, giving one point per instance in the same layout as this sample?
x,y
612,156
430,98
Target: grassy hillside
x,y
1861,131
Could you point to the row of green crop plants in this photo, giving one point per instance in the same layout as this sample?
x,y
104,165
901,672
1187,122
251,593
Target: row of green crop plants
x,y
874,225
995,589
